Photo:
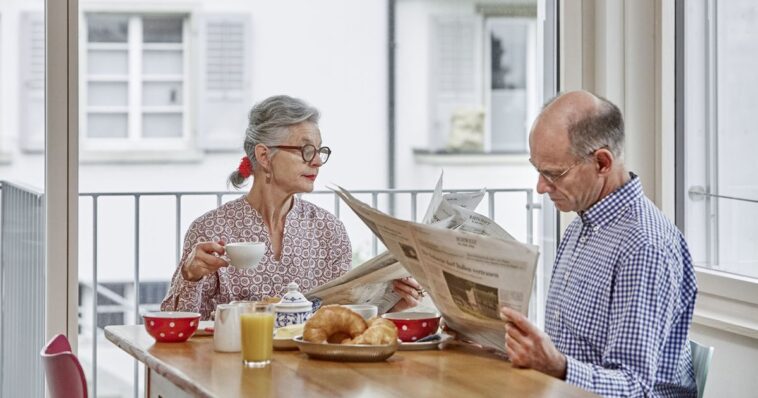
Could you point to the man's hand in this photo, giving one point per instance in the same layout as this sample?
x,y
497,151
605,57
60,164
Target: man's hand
x,y
409,290
203,260
529,347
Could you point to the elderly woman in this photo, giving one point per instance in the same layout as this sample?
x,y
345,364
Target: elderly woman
x,y
304,243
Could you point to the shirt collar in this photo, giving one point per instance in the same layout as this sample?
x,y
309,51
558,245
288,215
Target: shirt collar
x,y
608,208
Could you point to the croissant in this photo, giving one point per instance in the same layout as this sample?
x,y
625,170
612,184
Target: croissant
x,y
380,332
333,323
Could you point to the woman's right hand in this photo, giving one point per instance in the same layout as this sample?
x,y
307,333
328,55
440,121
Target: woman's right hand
x,y
204,259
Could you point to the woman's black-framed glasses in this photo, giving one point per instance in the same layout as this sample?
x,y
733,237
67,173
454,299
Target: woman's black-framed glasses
x,y
309,152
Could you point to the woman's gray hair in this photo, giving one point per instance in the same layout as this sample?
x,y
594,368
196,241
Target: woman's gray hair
x,y
601,128
268,124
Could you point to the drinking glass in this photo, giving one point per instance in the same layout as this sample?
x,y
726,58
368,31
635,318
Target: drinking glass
x,y
257,327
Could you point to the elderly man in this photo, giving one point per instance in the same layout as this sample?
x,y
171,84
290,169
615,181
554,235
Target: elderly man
x,y
623,287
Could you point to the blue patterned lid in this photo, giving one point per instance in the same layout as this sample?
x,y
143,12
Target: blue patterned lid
x,y
294,301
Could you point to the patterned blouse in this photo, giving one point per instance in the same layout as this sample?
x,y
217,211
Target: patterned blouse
x,y
315,250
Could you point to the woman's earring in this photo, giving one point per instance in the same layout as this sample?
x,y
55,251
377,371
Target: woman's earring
x,y
268,178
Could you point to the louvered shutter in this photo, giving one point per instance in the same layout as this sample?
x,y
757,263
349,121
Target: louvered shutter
x,y
224,96
32,90
455,71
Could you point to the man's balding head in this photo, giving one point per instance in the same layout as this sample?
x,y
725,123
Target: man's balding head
x,y
587,121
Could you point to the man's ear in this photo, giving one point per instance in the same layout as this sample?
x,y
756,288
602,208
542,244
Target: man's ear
x,y
604,160
263,156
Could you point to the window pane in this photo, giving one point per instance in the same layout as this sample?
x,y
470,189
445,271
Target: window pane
x,y
107,28
509,122
161,125
101,62
162,29
508,42
720,136
161,94
107,94
107,125
162,62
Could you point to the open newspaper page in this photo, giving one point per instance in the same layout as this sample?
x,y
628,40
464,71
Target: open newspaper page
x,y
371,282
468,276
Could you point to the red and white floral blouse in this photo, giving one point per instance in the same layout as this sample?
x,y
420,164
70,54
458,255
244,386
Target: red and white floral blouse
x,y
315,250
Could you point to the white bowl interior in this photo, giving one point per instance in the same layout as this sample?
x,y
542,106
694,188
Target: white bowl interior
x,y
172,315
408,316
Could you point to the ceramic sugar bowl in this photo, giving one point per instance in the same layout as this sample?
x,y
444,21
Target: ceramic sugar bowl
x,y
293,309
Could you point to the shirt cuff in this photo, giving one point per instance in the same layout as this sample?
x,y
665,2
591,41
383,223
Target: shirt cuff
x,y
578,373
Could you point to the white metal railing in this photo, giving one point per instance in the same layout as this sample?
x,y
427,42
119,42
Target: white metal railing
x,y
22,288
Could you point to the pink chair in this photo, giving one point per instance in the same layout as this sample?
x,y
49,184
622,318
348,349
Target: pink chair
x,y
64,374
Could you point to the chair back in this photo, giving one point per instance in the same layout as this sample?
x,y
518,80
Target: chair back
x,y
63,372
701,361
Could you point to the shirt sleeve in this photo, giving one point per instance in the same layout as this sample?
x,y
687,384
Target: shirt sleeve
x,y
341,250
193,296
643,310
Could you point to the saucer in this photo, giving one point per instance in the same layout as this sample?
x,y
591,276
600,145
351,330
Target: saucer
x,y
424,345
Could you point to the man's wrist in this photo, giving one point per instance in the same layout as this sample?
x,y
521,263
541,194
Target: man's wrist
x,y
559,371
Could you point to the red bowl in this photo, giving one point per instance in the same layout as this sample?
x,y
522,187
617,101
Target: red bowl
x,y
171,327
412,326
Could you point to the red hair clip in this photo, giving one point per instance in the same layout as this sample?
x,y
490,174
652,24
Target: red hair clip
x,y
245,168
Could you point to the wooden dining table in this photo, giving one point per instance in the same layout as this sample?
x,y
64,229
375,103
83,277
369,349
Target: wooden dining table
x,y
194,369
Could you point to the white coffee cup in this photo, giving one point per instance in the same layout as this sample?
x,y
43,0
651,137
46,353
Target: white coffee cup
x,y
226,328
367,311
245,254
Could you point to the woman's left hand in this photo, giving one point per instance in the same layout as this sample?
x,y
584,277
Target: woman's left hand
x,y
409,290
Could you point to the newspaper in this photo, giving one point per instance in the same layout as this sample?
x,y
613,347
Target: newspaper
x,y
371,282
468,264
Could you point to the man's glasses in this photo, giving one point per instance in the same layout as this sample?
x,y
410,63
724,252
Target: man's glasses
x,y
553,177
309,152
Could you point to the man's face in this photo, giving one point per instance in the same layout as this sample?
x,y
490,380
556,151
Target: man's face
x,y
572,183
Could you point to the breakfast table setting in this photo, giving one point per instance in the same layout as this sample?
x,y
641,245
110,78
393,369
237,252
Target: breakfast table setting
x,y
292,346
286,349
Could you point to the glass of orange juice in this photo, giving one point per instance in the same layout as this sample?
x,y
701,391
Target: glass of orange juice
x,y
257,331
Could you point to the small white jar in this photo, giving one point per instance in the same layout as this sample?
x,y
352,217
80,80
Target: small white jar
x,y
226,328
293,309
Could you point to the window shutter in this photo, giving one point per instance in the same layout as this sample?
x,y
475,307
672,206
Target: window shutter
x,y
455,71
32,90
224,96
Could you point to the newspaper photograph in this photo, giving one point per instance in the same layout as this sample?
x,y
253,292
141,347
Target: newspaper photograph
x,y
468,264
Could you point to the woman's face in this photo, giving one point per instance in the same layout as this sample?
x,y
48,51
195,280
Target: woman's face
x,y
289,171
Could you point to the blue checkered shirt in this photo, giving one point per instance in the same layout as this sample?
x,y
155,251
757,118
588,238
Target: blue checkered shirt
x,y
621,299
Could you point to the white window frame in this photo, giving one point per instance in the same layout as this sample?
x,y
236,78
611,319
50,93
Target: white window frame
x,y
726,301
135,147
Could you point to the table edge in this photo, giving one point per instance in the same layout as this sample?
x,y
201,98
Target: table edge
x,y
181,380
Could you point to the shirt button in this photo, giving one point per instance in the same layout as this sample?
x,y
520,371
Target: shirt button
x,y
582,239
557,315
596,228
